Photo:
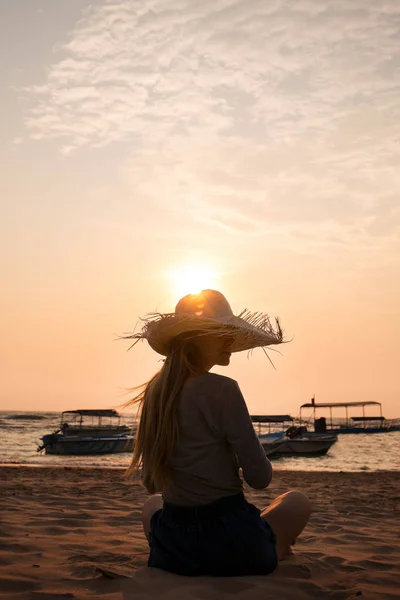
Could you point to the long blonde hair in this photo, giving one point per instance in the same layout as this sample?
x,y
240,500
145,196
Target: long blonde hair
x,y
157,432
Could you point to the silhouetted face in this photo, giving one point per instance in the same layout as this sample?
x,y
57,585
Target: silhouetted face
x,y
215,350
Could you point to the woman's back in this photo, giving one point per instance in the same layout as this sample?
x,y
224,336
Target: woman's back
x,y
216,437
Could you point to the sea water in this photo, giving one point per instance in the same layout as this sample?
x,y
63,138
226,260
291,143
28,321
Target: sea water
x,y
20,434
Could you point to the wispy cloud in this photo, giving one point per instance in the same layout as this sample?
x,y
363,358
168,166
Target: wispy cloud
x,y
250,114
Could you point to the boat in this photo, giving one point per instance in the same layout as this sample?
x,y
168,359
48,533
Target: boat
x,y
86,431
357,424
292,440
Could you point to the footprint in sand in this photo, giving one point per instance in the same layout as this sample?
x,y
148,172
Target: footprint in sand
x,y
334,541
378,565
17,548
334,561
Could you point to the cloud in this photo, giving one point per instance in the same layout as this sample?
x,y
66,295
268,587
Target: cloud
x,y
249,114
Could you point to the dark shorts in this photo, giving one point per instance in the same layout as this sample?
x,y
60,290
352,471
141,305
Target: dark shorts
x,y
225,538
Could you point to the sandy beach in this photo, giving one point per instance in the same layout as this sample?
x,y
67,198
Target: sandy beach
x,y
63,529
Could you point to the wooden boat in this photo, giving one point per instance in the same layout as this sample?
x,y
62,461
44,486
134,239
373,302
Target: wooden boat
x,y
85,432
358,424
291,441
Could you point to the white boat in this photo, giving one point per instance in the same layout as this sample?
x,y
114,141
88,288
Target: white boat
x,y
291,441
84,432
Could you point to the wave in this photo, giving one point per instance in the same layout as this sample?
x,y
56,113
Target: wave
x,y
12,426
25,417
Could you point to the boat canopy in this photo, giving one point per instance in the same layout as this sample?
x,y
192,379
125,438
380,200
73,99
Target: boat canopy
x,y
271,418
336,404
93,413
368,419
330,405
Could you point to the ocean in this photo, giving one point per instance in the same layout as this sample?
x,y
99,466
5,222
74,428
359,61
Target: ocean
x,y
20,434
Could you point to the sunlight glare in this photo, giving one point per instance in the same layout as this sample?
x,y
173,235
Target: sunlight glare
x,y
191,279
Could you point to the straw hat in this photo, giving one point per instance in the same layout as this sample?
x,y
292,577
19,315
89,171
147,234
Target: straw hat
x,y
205,313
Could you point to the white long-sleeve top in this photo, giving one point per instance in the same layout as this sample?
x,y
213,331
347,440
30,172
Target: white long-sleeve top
x,y
216,438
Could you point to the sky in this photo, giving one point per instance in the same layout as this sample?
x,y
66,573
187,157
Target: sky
x,y
153,147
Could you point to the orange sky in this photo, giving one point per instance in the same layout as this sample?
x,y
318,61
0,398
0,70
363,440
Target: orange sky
x,y
128,164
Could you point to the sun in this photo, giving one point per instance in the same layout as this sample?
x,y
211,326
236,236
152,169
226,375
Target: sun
x,y
191,279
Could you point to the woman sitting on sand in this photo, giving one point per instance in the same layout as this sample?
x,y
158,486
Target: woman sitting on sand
x,y
194,434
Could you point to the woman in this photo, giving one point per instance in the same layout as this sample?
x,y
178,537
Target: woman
x,y
194,434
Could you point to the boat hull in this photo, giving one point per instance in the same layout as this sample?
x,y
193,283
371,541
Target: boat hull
x,y
88,446
298,446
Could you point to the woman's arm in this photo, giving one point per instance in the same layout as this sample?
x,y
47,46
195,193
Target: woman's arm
x,y
239,432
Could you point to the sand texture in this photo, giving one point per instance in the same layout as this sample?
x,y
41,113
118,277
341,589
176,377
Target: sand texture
x,y
64,531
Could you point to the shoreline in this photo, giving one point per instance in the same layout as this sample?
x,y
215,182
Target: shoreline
x,y
124,468
35,466
65,530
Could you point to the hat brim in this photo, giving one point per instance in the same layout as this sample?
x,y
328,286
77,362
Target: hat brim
x,y
247,330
